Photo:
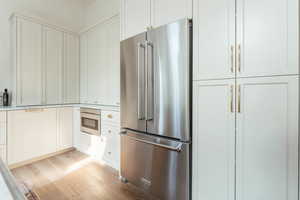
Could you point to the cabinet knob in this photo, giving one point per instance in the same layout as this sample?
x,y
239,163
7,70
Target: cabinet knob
x,y
110,116
109,131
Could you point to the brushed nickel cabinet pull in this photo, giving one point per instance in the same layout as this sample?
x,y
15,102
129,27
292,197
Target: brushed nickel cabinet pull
x,y
232,58
239,58
239,98
231,99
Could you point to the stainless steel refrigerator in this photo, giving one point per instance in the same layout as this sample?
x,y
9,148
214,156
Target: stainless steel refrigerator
x,y
156,110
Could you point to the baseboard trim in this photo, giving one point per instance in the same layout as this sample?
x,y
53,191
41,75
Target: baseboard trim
x,y
20,164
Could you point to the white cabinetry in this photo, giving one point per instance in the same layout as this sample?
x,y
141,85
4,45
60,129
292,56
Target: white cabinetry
x,y
65,127
110,129
135,16
260,129
31,133
261,40
3,135
71,69
100,64
138,15
214,39
53,66
28,63
268,37
166,11
45,63
267,138
214,140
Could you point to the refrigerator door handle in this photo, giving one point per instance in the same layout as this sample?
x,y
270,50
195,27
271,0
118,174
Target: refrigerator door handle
x,y
177,148
141,92
149,82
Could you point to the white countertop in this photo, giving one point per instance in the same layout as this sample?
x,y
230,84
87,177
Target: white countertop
x,y
101,107
8,186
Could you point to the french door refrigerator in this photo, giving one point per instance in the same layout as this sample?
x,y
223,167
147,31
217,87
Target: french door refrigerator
x,y
156,110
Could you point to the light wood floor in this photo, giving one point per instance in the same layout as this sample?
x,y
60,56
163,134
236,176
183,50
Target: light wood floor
x,y
73,175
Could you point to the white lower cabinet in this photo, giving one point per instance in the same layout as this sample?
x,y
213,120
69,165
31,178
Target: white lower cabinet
x,y
110,135
213,140
31,133
65,127
255,126
37,132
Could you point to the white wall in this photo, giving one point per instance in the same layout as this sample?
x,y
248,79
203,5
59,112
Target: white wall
x,y
67,13
97,10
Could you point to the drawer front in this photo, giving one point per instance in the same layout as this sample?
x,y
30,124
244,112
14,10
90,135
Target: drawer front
x,y
109,130
2,116
112,151
2,133
110,116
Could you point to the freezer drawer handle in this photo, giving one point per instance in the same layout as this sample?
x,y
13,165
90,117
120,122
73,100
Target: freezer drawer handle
x,y
177,149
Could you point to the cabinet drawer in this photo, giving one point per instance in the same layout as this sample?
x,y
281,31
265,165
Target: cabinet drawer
x,y
2,116
2,133
112,151
110,116
109,130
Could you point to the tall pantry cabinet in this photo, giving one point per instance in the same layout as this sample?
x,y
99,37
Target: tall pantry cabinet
x,y
45,63
246,99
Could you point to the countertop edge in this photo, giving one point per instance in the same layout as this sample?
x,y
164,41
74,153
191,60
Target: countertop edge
x,y
101,107
11,183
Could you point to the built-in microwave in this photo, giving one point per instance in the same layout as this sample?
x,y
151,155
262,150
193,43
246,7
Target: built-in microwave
x,y
90,121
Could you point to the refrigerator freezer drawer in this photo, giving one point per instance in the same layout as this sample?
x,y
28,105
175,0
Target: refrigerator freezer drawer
x,y
159,166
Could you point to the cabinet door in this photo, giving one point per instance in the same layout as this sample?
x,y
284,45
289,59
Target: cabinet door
x,y
167,11
29,63
71,69
65,121
213,140
267,138
53,62
84,68
135,16
112,95
214,39
268,35
31,133
97,64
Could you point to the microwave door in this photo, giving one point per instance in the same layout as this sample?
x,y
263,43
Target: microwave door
x,y
168,80
133,83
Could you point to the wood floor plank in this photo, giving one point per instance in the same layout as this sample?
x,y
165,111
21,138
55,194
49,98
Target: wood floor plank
x,y
76,176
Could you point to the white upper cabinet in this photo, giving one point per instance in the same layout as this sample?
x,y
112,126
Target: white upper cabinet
x,y
83,69
28,63
100,64
71,69
138,15
267,138
262,40
167,11
45,63
97,60
214,39
135,17
214,140
53,65
113,63
267,32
